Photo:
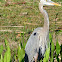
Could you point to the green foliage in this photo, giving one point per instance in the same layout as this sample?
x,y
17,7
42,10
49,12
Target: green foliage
x,y
7,55
1,0
1,59
21,53
1,49
52,47
52,51
57,48
46,55
23,38
57,51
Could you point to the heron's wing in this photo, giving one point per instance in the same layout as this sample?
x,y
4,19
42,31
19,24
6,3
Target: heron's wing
x,y
32,46
37,40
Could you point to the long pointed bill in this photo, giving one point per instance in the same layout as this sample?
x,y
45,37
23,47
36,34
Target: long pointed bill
x,y
56,4
51,3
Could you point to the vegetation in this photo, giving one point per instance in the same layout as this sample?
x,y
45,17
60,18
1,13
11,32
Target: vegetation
x,y
48,56
18,18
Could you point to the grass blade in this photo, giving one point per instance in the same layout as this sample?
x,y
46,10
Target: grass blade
x,y
1,49
7,56
46,56
1,60
52,51
57,48
21,53
57,51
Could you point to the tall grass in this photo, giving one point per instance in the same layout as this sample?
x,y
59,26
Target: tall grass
x,y
51,53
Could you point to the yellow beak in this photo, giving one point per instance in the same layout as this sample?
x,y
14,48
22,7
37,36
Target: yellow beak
x,y
56,4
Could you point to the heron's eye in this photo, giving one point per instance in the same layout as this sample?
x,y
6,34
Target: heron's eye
x,y
34,34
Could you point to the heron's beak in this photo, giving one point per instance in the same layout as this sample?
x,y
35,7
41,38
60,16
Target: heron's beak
x,y
56,4
51,3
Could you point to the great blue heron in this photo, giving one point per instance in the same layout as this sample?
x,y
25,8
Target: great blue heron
x,y
39,39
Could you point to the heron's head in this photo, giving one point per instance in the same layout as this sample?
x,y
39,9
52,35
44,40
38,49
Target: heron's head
x,y
48,2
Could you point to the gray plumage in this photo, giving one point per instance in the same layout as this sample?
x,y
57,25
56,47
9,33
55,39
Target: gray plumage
x,y
39,39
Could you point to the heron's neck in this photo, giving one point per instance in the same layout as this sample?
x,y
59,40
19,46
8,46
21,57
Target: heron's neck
x,y
46,18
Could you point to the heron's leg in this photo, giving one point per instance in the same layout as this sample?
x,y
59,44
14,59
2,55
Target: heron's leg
x,y
36,57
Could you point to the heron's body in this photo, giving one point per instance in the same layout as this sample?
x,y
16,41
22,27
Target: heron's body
x,y
39,39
